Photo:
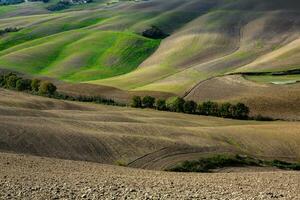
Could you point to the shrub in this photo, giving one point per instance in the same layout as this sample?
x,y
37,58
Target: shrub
x,y
190,107
155,33
148,102
161,104
23,84
262,118
35,84
47,88
136,102
175,104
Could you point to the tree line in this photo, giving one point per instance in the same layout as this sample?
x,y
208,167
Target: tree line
x,y
46,88
178,104
173,104
12,81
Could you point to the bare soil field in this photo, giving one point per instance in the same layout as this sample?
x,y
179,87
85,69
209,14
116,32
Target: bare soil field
x,y
134,137
29,177
277,101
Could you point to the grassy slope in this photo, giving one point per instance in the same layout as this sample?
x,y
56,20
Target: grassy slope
x,y
80,55
221,41
208,38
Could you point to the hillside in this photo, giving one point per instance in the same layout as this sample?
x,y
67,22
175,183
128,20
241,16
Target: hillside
x,y
138,138
101,43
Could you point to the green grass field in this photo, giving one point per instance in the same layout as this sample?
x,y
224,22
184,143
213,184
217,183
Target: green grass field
x,y
101,43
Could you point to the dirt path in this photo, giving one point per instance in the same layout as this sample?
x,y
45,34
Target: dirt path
x,y
28,177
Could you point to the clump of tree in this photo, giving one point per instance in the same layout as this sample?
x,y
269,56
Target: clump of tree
x,y
10,2
154,33
190,107
161,104
148,102
23,84
61,5
14,82
65,4
136,102
91,99
44,1
46,88
175,104
9,30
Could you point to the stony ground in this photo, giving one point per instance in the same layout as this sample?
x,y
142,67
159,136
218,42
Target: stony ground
x,y
28,177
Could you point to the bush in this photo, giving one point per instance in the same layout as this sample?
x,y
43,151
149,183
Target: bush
x,y
190,107
175,104
148,102
23,84
262,118
155,33
136,102
47,88
161,104
35,84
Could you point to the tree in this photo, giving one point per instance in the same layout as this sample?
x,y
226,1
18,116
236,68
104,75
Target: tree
x,y
35,84
11,81
190,107
224,110
23,84
241,111
175,104
47,88
161,104
136,102
209,108
148,102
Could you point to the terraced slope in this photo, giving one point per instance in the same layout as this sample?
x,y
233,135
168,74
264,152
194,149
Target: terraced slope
x,y
138,138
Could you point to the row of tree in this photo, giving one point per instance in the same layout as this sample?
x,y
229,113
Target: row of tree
x,y
46,88
12,81
178,104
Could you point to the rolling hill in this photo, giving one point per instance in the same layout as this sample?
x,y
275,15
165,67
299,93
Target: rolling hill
x,y
101,43
233,51
134,137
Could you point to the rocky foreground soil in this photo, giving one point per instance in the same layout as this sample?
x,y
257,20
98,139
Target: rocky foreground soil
x,y
29,177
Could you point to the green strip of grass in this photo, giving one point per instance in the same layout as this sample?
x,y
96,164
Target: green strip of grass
x,y
221,161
